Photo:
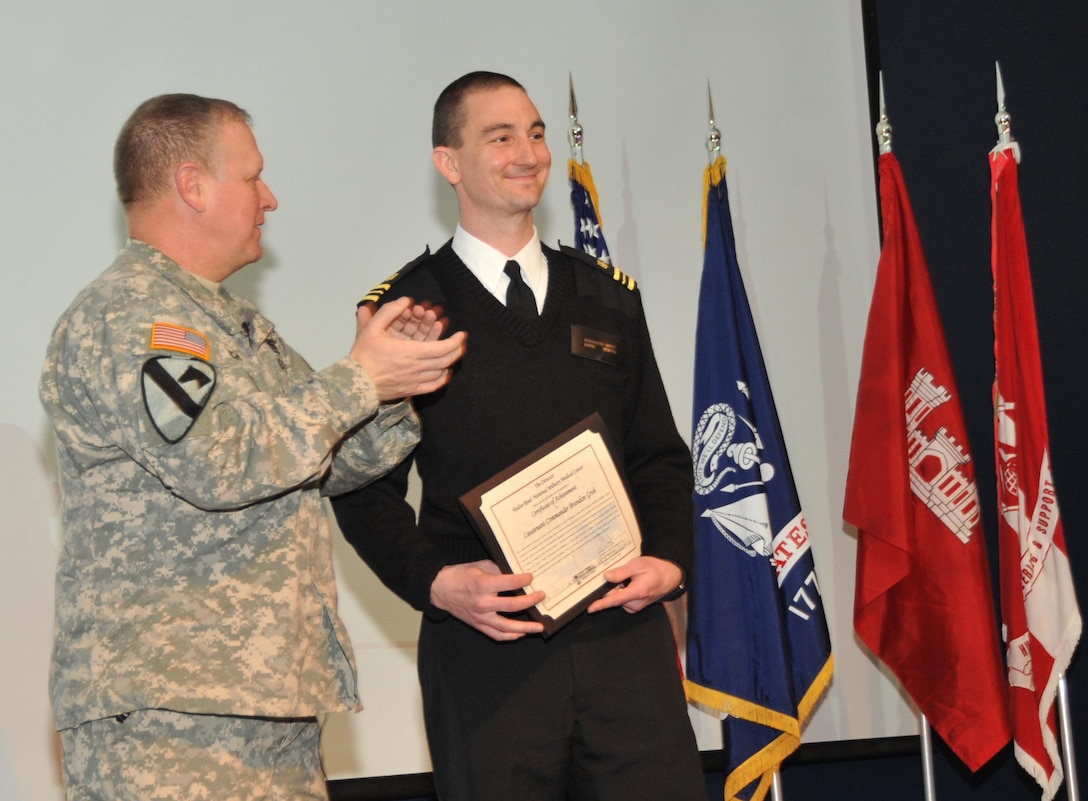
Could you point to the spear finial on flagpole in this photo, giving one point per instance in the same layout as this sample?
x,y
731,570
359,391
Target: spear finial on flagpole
x,y
713,135
883,127
574,132
1003,121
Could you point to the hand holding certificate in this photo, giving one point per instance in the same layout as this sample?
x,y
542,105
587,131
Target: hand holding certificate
x,y
563,514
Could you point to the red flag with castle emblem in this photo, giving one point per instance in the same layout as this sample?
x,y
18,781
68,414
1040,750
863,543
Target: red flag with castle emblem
x,y
923,601
1038,604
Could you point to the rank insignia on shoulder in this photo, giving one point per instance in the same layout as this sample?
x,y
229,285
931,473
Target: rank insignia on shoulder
x,y
375,294
167,336
617,275
175,391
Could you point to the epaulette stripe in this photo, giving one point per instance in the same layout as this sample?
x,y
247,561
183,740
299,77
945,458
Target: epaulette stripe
x,y
617,275
623,278
375,294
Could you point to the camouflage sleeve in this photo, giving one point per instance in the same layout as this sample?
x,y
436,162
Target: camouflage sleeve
x,y
373,448
267,424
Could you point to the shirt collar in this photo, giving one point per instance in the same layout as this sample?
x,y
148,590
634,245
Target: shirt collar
x,y
487,263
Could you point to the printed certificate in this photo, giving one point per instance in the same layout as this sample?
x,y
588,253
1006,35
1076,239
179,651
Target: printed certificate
x,y
563,514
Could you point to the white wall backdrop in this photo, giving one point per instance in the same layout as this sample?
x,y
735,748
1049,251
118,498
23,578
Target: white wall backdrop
x,y
341,93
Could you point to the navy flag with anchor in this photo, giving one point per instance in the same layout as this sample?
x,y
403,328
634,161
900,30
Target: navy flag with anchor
x,y
758,648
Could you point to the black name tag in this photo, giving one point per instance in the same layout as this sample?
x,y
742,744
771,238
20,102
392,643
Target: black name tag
x,y
597,345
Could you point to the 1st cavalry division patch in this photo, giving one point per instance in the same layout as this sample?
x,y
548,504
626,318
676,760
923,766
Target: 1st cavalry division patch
x,y
175,392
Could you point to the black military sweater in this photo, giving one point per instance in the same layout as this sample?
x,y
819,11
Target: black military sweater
x,y
520,384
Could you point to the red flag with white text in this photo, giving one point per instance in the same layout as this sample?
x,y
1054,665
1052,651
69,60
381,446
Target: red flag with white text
x,y
1039,607
923,599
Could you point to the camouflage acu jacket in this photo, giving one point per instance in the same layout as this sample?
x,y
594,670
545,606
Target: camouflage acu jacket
x,y
193,448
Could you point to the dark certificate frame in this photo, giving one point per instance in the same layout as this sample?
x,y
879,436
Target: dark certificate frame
x,y
564,508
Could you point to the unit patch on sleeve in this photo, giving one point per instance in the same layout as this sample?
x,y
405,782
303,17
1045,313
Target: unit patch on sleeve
x,y
176,391
167,336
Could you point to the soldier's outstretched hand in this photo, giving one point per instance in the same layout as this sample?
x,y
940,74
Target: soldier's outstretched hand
x,y
398,346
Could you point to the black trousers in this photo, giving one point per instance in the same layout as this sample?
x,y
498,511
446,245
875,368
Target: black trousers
x,y
596,713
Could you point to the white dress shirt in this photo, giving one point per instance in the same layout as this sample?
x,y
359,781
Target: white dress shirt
x,y
487,265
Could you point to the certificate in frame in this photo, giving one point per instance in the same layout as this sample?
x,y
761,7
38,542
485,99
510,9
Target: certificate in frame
x,y
562,513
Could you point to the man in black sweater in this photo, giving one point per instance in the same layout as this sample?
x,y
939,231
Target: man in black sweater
x,y
597,710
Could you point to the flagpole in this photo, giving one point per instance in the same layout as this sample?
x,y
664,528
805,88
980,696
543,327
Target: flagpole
x,y
883,127
883,132
713,135
1065,725
884,139
574,131
1053,604
927,760
776,786
1004,121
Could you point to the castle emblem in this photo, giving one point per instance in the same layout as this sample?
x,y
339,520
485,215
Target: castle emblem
x,y
936,461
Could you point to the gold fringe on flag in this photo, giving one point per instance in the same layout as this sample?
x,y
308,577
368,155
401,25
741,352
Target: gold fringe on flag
x,y
582,174
713,175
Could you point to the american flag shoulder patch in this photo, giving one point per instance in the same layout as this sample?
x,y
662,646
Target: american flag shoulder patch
x,y
168,336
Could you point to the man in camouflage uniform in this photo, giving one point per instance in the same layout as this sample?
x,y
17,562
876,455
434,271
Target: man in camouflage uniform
x,y
197,637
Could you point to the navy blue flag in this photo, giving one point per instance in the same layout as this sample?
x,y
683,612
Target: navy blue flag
x,y
758,648
588,235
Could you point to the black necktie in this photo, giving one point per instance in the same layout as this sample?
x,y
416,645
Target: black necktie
x,y
519,298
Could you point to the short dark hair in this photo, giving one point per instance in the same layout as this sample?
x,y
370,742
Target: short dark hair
x,y
162,133
449,109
